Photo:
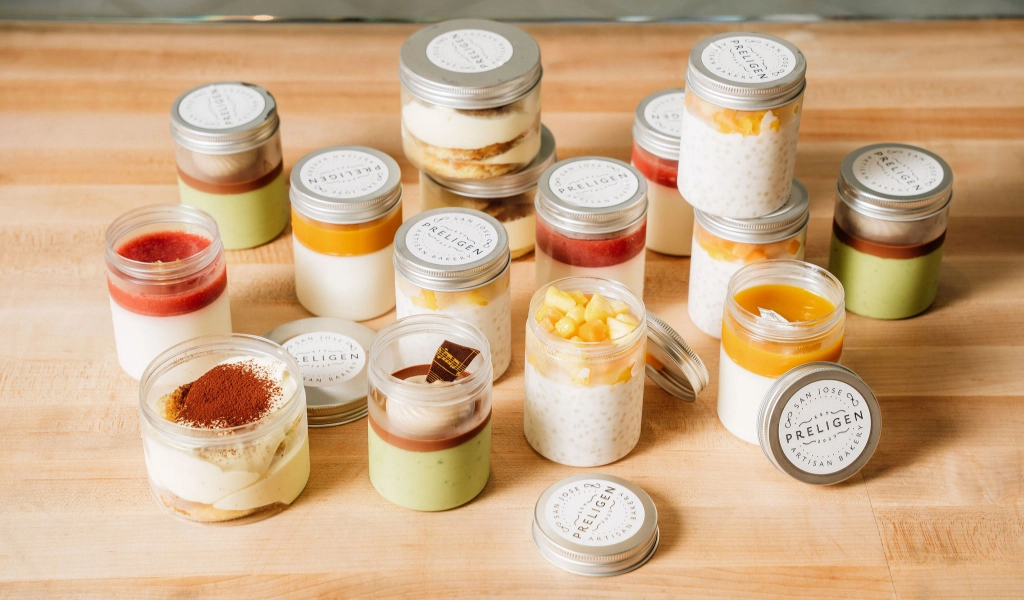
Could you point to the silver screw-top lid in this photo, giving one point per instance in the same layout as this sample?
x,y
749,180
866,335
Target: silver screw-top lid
x,y
746,70
779,225
895,182
470,64
451,249
596,525
591,194
345,184
658,122
678,369
819,423
511,184
224,118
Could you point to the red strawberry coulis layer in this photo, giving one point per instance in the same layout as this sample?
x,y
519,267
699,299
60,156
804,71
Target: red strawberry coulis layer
x,y
590,253
659,170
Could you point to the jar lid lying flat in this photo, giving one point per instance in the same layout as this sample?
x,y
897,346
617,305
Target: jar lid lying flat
x,y
596,525
331,354
345,184
819,423
511,184
658,122
591,194
224,118
895,182
675,367
746,70
451,249
777,226
470,64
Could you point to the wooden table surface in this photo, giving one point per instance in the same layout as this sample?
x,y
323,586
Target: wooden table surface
x,y
937,513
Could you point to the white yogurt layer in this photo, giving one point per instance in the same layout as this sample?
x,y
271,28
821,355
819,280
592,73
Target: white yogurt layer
x,y
450,128
629,273
709,285
740,394
348,287
581,426
669,220
140,338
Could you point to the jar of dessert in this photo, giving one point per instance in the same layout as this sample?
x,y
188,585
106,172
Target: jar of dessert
x,y
889,227
430,436
456,262
470,99
507,198
744,93
659,118
229,160
167,281
779,314
721,246
592,222
589,342
223,421
346,208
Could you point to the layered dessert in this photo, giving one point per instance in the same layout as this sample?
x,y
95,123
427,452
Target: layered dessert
x,y
618,256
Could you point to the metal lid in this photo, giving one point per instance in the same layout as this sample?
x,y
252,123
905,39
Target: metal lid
x,y
331,354
779,225
224,118
819,423
470,64
504,186
658,122
895,182
596,525
451,249
591,194
677,369
746,70
345,184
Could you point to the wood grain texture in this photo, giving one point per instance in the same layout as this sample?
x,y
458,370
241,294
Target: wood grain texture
x,y
937,513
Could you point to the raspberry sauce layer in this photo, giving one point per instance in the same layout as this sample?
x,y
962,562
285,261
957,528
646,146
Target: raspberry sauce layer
x,y
590,253
659,170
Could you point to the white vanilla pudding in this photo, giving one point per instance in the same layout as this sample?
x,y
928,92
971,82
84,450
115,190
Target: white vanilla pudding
x,y
350,287
740,393
470,129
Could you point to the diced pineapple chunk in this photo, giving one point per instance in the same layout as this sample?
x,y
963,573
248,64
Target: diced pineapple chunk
x,y
598,309
619,307
426,300
627,319
549,312
576,338
593,331
579,298
577,314
617,328
565,327
548,324
479,298
582,377
556,298
626,374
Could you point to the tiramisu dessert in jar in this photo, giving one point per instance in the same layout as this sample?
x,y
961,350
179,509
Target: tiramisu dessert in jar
x,y
588,344
470,99
656,154
167,280
430,412
779,314
346,208
889,228
507,198
456,262
592,222
744,93
229,160
223,422
721,246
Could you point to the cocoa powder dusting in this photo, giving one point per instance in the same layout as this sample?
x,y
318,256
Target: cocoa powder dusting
x,y
225,396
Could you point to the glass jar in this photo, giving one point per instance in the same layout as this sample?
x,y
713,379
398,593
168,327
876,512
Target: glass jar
x,y
167,281
889,227
229,160
592,222
456,262
470,99
214,474
346,209
508,198
778,314
744,93
656,155
721,246
430,443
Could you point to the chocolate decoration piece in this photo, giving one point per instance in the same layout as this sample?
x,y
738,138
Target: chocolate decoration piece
x,y
450,361
883,251
231,188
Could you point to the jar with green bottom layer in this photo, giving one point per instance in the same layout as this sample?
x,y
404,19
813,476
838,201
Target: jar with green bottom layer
x,y
229,160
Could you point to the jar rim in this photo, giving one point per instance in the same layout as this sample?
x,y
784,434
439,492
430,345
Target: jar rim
x,y
347,211
872,202
728,93
649,137
576,218
148,273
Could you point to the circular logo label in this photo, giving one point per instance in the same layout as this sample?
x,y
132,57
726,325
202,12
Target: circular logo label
x,y
665,113
344,174
326,358
221,106
452,239
897,171
469,51
748,59
593,183
594,512
824,427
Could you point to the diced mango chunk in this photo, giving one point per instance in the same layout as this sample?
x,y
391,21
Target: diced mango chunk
x,y
617,328
619,307
579,297
598,309
549,312
577,314
628,319
427,300
582,377
593,331
548,324
565,327
625,375
556,298
479,298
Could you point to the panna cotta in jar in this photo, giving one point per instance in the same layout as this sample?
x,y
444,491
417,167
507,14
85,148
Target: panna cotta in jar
x,y
223,422
346,208
741,119
167,280
592,222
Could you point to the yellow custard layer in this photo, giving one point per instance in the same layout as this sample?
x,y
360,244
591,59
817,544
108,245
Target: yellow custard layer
x,y
347,240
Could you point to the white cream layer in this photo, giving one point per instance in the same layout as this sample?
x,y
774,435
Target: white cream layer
x,y
449,128
669,220
740,394
347,287
629,273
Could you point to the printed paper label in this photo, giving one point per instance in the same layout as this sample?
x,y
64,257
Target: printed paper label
x,y
221,106
824,427
469,50
594,512
326,358
748,59
897,171
665,113
344,174
452,239
593,183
